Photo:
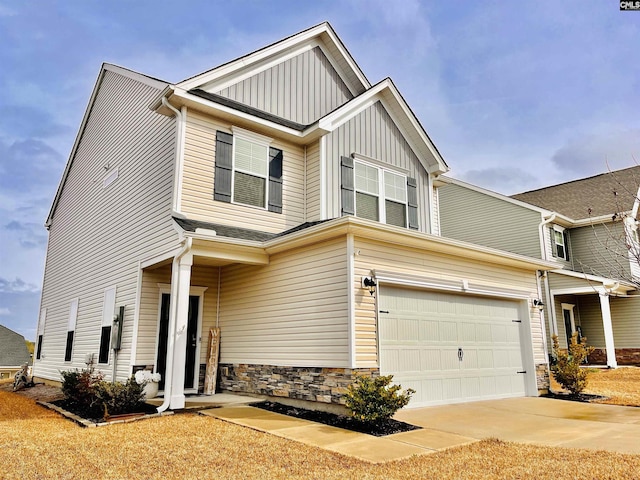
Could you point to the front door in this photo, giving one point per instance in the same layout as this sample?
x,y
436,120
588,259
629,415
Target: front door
x,y
192,341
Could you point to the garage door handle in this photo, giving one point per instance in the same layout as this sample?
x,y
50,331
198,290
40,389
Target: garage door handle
x,y
523,371
460,354
384,311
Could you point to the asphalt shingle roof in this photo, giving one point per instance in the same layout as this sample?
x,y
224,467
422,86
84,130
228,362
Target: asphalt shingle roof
x,y
603,194
13,348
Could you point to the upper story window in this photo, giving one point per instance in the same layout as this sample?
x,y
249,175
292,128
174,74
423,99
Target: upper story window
x,y
559,242
376,193
248,171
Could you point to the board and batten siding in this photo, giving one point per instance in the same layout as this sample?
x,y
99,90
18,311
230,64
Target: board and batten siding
x,y
301,89
475,217
599,249
292,312
374,134
413,262
201,276
198,181
98,235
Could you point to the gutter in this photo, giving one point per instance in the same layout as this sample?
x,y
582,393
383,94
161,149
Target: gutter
x,y
177,178
168,373
553,326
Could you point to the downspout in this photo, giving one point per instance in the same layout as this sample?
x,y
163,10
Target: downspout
x,y
540,273
172,325
553,327
177,179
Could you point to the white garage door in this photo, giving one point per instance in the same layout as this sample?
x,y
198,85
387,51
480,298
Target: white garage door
x,y
450,348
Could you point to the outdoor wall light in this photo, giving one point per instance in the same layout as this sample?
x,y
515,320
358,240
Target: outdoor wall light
x,y
538,304
370,283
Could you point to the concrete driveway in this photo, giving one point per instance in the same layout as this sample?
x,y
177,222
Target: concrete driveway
x,y
541,421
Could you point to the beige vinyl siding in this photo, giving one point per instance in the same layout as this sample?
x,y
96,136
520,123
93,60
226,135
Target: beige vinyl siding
x,y
313,182
374,134
290,312
201,276
301,89
625,318
198,181
600,250
98,235
475,217
409,261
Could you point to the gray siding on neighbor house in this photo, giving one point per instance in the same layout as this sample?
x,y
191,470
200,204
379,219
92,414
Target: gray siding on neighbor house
x,y
600,250
475,217
301,89
98,235
374,134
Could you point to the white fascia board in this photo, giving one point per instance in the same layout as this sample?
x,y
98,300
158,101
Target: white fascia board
x,y
403,236
583,222
606,282
274,50
138,77
188,98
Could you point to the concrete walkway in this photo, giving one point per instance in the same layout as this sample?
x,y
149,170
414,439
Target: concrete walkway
x,y
539,421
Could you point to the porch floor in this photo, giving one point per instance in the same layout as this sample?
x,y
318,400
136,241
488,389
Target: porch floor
x,y
210,401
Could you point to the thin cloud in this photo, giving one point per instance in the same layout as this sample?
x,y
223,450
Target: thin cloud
x,y
5,311
17,285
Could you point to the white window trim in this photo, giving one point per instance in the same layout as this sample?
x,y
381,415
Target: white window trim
x,y
382,197
561,230
255,138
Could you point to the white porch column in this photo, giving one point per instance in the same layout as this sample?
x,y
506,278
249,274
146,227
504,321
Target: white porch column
x,y
608,330
181,311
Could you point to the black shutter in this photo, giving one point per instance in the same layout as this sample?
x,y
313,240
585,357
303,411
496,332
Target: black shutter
x,y
412,202
554,249
224,167
347,188
565,236
275,180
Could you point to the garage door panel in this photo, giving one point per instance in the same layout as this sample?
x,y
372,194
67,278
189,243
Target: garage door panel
x,y
421,347
448,331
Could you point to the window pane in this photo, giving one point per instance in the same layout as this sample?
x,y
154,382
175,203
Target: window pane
x,y
396,213
105,338
249,190
366,178
251,157
366,206
395,187
68,350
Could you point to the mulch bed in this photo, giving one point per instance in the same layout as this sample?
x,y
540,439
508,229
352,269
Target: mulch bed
x,y
379,429
578,397
145,409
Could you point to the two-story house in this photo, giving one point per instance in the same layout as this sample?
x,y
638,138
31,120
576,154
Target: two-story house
x,y
283,205
13,352
589,228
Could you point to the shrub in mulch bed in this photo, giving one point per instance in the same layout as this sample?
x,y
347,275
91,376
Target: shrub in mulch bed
x,y
379,429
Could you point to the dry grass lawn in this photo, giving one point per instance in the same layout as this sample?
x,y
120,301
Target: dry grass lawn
x,y
621,386
37,443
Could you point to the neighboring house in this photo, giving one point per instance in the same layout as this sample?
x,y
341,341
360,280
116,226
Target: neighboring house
x,y
13,352
284,199
580,226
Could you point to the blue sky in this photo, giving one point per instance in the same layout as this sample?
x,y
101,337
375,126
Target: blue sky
x,y
516,95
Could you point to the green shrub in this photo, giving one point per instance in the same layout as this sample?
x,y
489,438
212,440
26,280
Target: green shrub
x,y
87,394
118,398
566,369
79,389
374,399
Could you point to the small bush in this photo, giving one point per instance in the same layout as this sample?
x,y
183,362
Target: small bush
x,y
566,369
79,389
118,398
374,399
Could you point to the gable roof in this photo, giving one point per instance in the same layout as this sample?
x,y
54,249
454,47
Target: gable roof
x,y
13,348
591,197
243,67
